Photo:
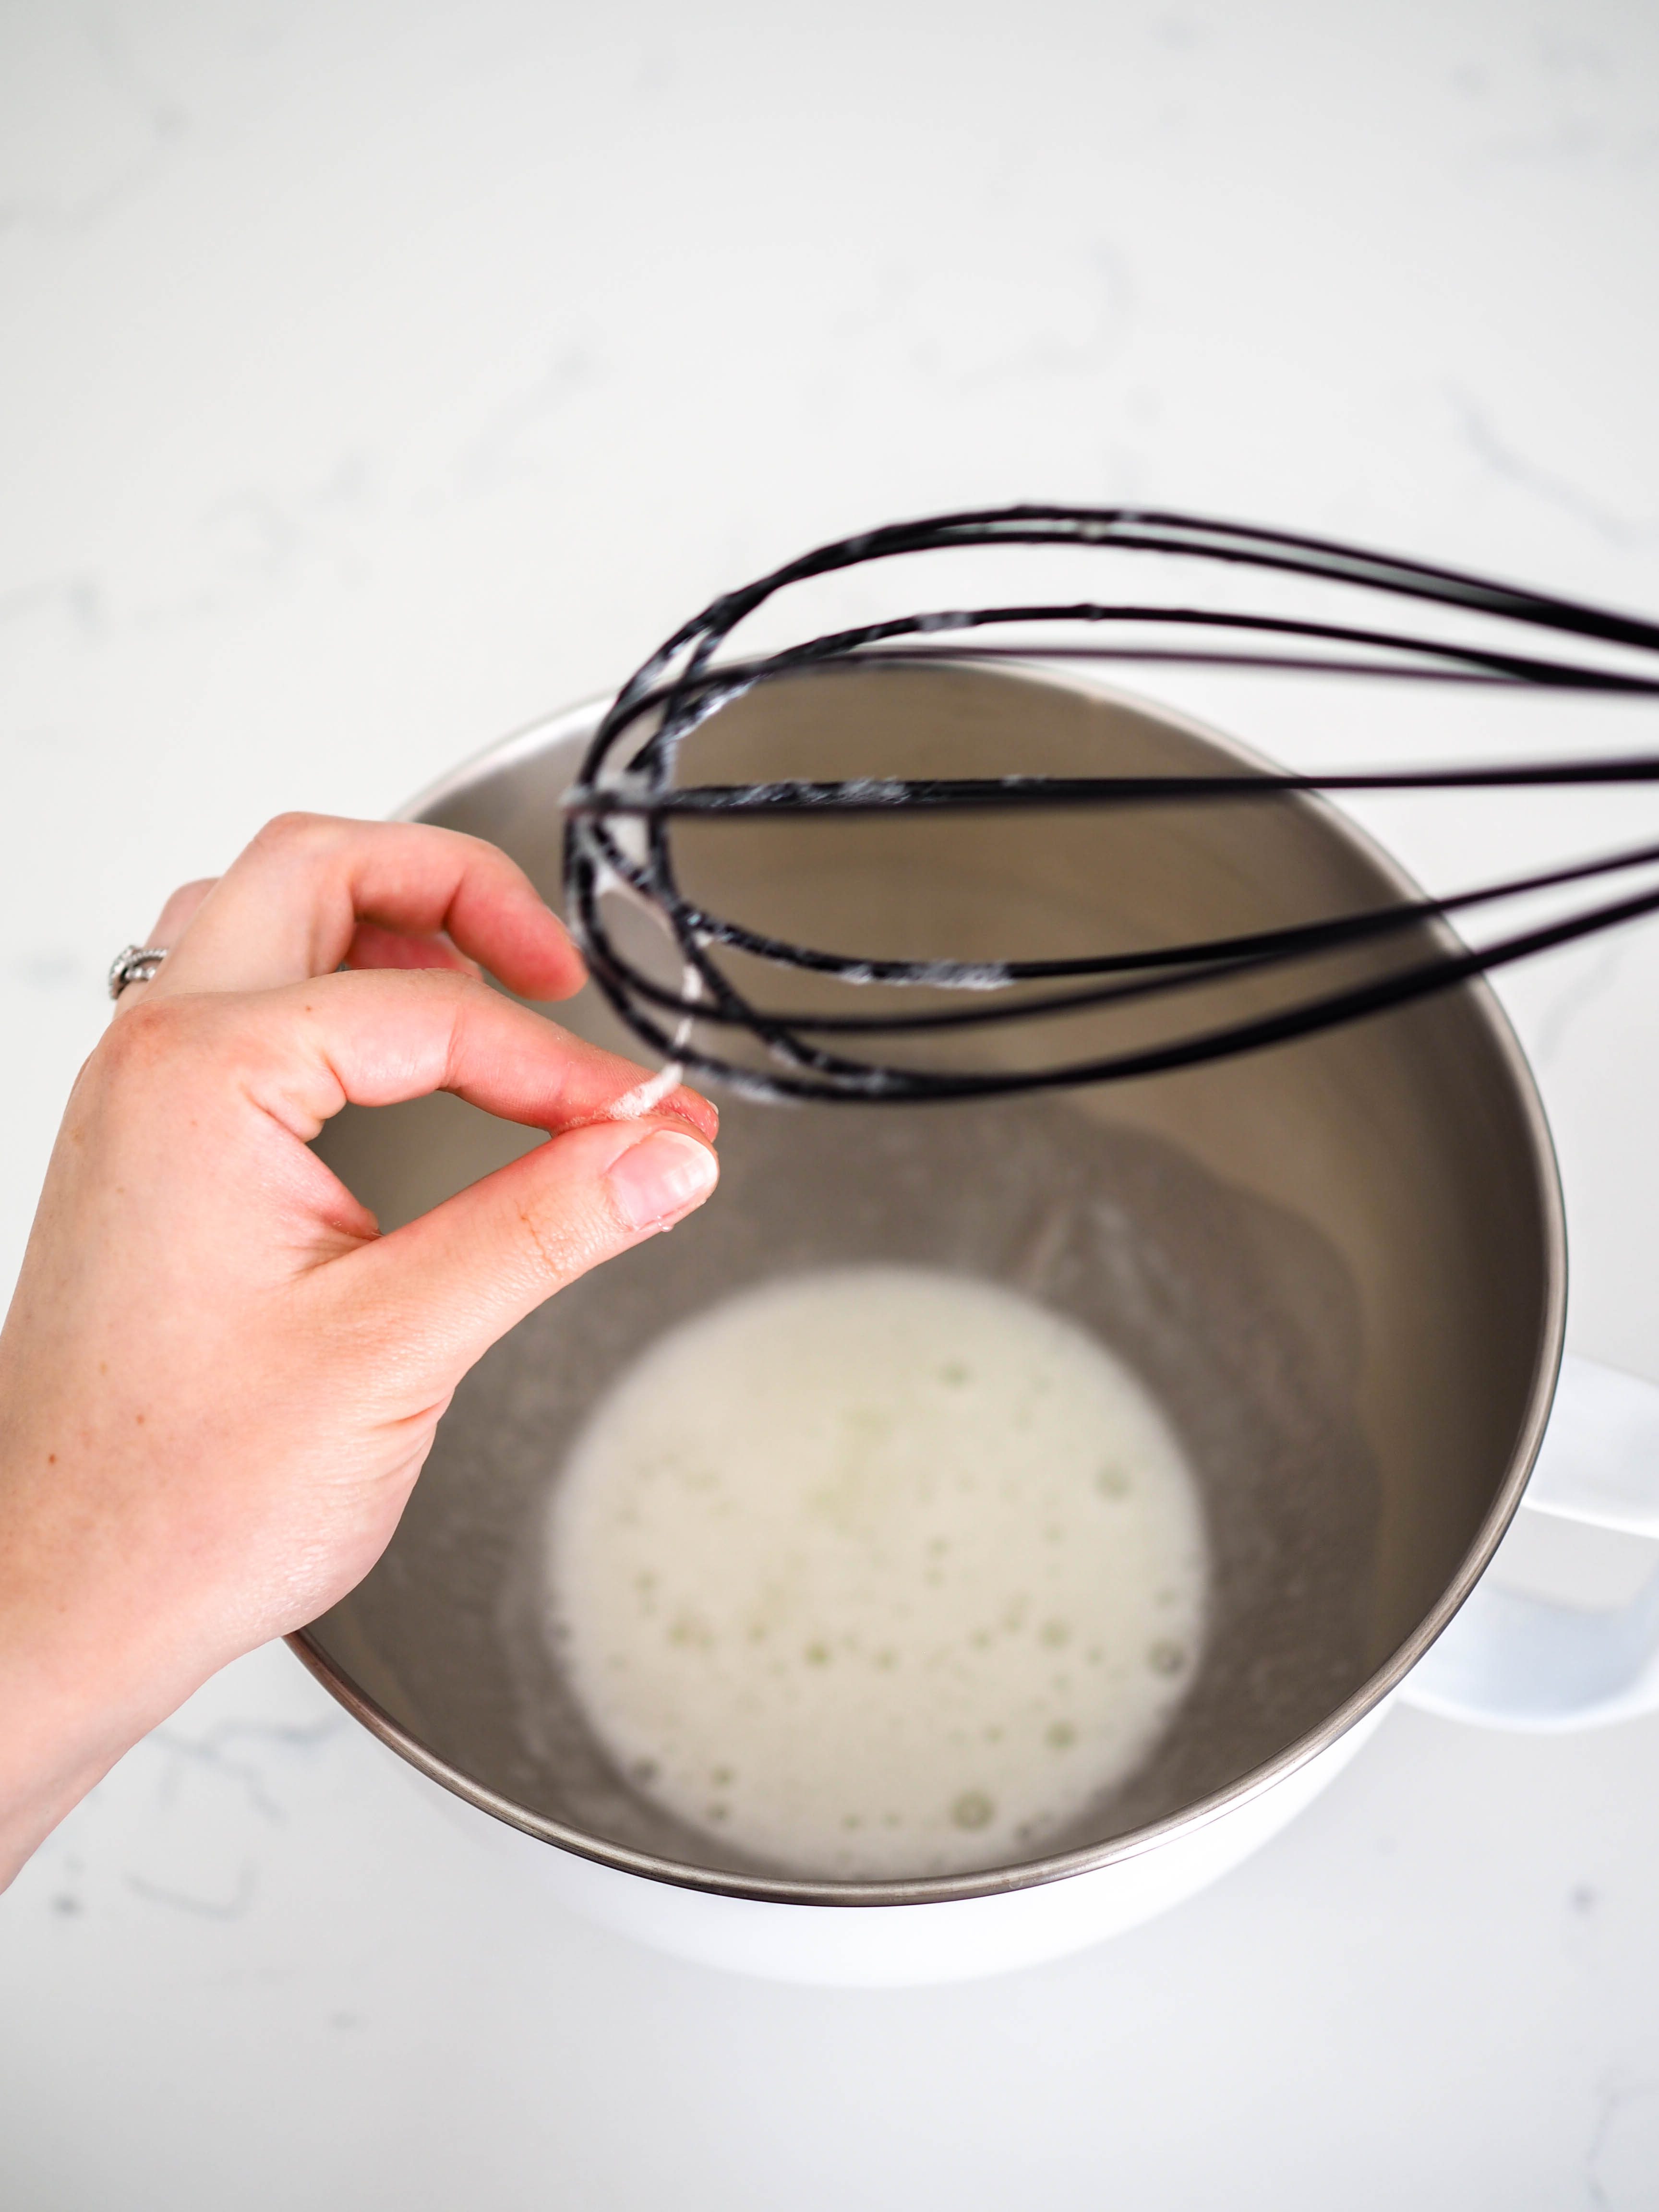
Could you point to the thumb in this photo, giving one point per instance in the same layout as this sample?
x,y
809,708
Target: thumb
x,y
461,1276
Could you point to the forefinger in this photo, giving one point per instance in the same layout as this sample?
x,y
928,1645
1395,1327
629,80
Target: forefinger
x,y
291,907
376,1039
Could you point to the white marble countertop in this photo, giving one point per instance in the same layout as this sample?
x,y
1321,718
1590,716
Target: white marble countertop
x,y
377,379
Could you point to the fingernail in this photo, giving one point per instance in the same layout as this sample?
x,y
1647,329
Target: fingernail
x,y
655,1181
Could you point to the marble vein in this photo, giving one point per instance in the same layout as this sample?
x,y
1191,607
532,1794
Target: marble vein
x,y
233,1907
220,1752
1496,453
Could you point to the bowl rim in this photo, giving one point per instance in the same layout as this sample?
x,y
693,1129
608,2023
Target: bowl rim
x,y
573,727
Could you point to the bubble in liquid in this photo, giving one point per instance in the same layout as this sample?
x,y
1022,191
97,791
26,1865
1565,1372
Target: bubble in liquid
x,y
991,1619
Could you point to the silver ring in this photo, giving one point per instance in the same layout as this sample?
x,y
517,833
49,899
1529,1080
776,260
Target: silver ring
x,y
134,963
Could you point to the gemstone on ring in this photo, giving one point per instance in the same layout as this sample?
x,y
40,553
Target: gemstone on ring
x,y
134,963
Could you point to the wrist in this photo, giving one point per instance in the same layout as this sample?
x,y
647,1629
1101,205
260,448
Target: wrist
x,y
71,1704
86,1669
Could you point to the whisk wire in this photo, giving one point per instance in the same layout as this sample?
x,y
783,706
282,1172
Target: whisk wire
x,y
626,778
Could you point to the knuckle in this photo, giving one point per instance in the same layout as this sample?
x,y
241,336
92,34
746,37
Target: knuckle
x,y
296,831
464,994
144,1037
451,988
558,1244
465,997
144,1028
540,1241
469,990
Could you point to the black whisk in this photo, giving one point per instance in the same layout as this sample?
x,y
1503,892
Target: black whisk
x,y
628,777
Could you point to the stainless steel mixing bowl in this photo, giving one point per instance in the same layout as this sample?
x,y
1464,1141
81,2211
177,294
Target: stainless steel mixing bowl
x,y
1338,1263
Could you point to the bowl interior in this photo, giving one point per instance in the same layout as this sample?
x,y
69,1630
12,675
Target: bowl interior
x,y
1335,1263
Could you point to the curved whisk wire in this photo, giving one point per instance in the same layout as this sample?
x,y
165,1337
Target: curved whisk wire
x,y
621,814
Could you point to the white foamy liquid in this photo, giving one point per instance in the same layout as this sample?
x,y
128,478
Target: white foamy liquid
x,y
878,1571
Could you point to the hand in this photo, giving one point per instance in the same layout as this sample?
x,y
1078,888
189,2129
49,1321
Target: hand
x,y
218,1380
